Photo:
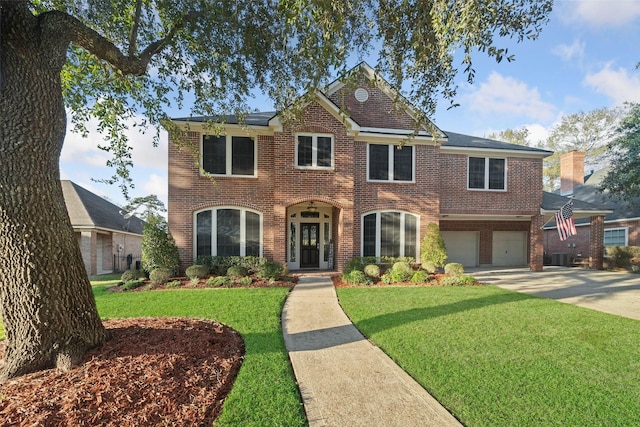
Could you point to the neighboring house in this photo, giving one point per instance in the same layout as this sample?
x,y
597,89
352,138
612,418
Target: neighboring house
x,y
107,236
345,181
621,221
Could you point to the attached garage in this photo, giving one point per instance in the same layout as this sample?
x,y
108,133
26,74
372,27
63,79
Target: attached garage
x,y
462,247
509,248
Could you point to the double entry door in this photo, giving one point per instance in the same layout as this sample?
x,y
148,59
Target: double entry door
x,y
309,245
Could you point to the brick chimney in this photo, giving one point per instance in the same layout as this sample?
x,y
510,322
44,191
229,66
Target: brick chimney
x,y
571,171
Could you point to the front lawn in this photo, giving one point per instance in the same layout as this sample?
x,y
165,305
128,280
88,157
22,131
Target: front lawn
x,y
498,358
265,392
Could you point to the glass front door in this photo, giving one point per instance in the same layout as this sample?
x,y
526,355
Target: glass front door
x,y
309,245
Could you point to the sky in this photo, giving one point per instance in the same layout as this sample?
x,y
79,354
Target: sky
x,y
584,59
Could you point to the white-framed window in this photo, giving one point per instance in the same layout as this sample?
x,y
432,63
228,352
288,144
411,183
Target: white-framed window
x,y
390,163
314,151
227,231
486,173
616,236
390,233
229,155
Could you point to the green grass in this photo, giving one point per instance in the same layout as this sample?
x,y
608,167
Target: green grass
x,y
499,358
105,279
265,392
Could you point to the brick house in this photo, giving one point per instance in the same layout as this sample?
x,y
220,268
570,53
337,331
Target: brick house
x,y
105,236
617,223
347,181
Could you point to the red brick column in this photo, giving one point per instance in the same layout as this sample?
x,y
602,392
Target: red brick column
x,y
596,243
536,243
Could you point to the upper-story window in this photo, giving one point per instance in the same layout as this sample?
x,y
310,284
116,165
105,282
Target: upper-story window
x,y
486,173
390,163
229,155
616,236
314,151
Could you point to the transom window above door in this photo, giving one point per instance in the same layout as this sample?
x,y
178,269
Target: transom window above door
x,y
314,151
229,155
390,163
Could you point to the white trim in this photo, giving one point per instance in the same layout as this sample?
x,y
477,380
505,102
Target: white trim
x,y
229,156
391,171
214,234
613,221
486,174
402,231
474,217
483,152
314,151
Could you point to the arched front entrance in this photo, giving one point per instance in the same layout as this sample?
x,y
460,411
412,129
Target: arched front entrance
x,y
309,236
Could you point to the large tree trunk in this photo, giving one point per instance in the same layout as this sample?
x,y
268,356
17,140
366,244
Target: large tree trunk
x,y
48,309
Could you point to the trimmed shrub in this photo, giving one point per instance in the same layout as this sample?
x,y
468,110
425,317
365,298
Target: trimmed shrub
x,y
387,279
356,277
129,275
372,270
270,270
159,250
237,271
420,276
197,271
132,284
160,276
429,267
621,256
432,249
454,269
459,281
401,271
245,281
174,284
219,281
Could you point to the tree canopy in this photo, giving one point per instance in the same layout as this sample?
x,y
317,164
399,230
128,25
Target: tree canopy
x,y
125,61
623,180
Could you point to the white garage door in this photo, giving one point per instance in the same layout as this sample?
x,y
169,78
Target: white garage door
x,y
462,247
509,248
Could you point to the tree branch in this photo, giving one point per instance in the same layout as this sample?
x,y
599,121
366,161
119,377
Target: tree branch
x,y
104,49
134,29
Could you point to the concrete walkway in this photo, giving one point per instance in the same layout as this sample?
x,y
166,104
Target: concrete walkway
x,y
344,379
611,292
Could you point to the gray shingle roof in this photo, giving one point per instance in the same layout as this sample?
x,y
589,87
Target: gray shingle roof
x,y
87,209
251,119
468,141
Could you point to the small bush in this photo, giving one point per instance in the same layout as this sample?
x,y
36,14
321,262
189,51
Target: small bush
x,y
245,281
420,276
194,282
270,271
129,275
132,284
197,271
372,270
218,281
237,271
401,271
160,276
356,277
174,284
354,263
429,267
454,269
387,279
459,281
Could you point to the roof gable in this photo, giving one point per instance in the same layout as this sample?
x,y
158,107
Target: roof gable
x,y
87,209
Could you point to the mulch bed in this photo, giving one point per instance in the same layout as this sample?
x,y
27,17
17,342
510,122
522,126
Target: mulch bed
x,y
186,283
153,372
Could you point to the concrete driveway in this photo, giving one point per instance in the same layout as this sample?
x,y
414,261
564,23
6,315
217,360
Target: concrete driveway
x,y
612,292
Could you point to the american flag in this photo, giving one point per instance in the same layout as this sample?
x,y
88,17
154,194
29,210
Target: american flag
x,y
564,220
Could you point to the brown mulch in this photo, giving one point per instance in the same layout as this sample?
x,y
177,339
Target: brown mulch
x,y
153,372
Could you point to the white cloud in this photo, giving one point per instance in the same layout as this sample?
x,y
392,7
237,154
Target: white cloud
x,y
618,84
156,184
601,13
509,97
572,52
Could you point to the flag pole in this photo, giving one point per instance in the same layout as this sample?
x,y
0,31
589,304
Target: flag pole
x,y
553,218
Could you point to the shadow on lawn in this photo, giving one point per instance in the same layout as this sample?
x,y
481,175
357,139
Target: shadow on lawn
x,y
390,320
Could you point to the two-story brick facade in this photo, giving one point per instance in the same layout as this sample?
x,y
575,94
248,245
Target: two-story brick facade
x,y
347,180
